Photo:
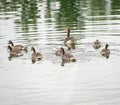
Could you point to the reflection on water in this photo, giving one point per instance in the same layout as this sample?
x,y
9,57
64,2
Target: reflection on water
x,y
89,81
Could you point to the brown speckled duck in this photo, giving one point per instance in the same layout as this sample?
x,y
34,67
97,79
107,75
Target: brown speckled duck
x,y
19,47
36,56
66,57
13,52
105,52
97,44
69,42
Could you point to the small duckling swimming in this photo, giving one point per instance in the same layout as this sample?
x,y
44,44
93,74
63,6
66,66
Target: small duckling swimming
x,y
19,47
36,56
97,44
69,42
105,52
13,52
66,57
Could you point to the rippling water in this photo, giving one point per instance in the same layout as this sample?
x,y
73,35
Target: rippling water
x,y
92,80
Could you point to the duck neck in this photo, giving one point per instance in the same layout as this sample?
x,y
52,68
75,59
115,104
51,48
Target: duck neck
x,y
33,50
68,32
11,43
106,46
63,51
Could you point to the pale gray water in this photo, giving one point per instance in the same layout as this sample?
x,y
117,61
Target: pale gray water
x,y
92,80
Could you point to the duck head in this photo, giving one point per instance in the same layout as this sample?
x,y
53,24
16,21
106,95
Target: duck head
x,y
11,43
33,49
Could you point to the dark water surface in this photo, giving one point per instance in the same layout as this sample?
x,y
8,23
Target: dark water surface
x,y
92,80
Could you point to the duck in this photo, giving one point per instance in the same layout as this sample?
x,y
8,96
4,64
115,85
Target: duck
x,y
69,42
66,57
14,52
97,44
105,52
36,56
19,47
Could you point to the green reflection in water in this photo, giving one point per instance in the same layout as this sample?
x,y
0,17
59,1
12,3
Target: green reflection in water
x,y
29,15
71,13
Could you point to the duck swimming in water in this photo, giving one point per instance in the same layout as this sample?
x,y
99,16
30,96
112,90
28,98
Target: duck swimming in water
x,y
105,52
66,57
69,42
19,47
14,52
97,44
36,56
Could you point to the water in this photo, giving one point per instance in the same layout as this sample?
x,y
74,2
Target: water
x,y
92,80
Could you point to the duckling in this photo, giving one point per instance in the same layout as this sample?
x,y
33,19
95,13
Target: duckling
x,y
13,52
105,52
69,42
19,47
66,57
97,44
36,56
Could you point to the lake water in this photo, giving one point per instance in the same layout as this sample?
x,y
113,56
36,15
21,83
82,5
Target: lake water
x,y
92,80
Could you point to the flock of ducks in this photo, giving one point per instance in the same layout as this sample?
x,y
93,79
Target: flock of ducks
x,y
105,51
69,42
